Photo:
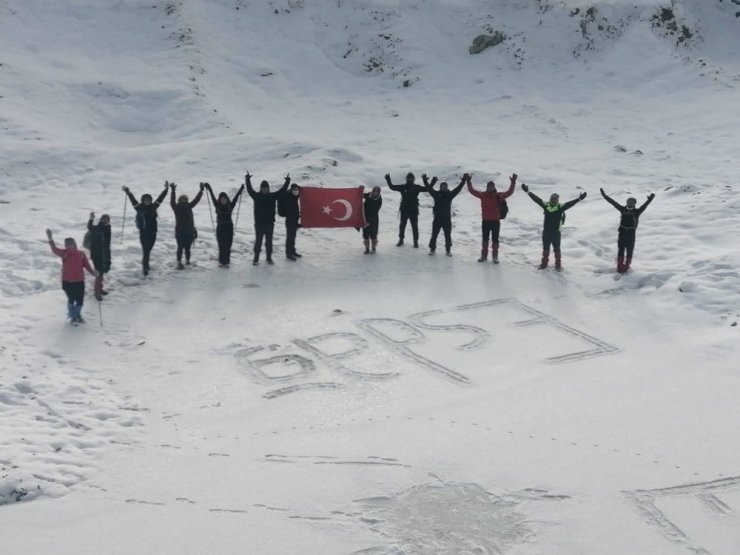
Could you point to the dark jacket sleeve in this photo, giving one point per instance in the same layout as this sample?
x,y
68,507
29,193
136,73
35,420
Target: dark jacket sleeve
x,y
236,197
173,202
644,206
160,198
213,197
132,198
393,187
90,225
196,200
537,200
570,204
613,202
456,190
250,189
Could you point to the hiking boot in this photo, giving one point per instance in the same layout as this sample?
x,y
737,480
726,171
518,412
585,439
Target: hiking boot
x,y
494,259
416,244
98,297
103,292
270,262
431,252
180,266
400,243
297,254
289,257
448,252
255,262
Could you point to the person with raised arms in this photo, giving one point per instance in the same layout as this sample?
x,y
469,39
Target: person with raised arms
x,y
185,230
224,207
74,264
554,216
146,221
289,209
493,209
264,215
442,211
627,228
409,208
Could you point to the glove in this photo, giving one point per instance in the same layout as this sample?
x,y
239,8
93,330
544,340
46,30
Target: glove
x,y
287,179
388,178
582,195
166,184
92,215
651,196
424,176
602,192
513,177
124,189
48,234
525,188
202,186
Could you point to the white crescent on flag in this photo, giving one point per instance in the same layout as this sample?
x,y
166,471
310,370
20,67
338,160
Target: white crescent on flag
x,y
348,208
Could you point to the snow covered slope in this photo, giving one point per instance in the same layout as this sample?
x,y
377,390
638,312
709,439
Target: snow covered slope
x,y
399,403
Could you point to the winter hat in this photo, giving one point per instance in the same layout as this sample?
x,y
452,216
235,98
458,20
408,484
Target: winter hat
x,y
182,198
145,197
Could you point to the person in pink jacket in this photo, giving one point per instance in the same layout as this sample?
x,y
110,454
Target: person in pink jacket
x,y
74,264
491,203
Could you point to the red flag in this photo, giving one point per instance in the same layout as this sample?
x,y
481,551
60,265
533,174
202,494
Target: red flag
x,y
331,207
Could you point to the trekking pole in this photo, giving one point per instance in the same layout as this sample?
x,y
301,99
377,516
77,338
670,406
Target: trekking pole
x,y
123,223
208,198
238,206
100,313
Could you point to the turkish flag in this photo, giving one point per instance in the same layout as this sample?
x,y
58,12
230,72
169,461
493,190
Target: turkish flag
x,y
331,207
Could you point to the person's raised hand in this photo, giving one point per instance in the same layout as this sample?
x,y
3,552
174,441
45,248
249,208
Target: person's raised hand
x,y
525,187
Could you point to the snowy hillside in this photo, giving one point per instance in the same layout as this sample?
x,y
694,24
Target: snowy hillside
x,y
396,403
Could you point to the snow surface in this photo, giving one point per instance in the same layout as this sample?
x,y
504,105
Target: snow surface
x,y
387,404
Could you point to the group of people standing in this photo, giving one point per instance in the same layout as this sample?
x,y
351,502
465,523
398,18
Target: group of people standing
x,y
285,200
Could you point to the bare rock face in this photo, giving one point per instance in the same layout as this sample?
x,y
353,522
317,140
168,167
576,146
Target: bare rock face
x,y
481,42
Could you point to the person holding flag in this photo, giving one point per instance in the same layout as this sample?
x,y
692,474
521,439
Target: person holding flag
x,y
264,215
371,211
289,209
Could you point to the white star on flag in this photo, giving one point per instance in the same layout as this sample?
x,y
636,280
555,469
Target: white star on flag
x,y
326,210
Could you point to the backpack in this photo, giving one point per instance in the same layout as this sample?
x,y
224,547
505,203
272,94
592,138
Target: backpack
x,y
87,240
140,221
282,206
503,208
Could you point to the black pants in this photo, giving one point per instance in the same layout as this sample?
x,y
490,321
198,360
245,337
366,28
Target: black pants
x,y
147,244
263,232
75,291
291,230
490,228
371,230
225,238
184,242
444,224
412,217
551,238
626,242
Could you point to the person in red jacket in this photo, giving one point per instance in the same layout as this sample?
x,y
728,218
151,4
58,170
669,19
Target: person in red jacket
x,y
74,264
490,203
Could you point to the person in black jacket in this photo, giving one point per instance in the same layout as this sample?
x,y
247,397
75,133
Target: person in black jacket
x,y
100,250
185,231
224,207
290,210
371,207
146,221
409,208
554,216
627,228
264,215
442,211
